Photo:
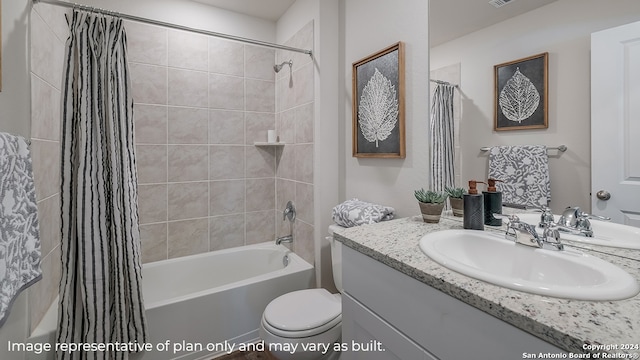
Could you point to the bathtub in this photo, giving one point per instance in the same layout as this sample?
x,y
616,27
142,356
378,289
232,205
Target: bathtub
x,y
206,300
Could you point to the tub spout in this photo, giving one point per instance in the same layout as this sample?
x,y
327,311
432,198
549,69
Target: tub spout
x,y
286,239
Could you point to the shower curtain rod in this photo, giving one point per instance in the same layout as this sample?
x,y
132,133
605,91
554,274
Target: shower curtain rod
x,y
443,82
173,26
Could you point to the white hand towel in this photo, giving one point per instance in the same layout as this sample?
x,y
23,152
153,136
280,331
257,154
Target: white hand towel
x,y
19,237
524,170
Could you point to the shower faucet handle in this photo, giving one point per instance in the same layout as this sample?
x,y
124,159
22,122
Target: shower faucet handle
x,y
289,212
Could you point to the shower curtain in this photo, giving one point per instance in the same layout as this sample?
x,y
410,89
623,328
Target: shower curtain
x,y
100,290
441,145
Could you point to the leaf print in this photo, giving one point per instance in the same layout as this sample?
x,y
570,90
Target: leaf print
x,y
378,108
530,180
20,253
519,98
525,172
355,212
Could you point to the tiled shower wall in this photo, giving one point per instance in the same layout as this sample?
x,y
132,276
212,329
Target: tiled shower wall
x,y
295,126
200,105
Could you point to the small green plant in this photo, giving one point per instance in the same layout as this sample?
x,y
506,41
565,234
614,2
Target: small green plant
x,y
455,192
428,196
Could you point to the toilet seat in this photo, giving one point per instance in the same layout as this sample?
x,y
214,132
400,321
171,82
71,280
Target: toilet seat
x,y
303,313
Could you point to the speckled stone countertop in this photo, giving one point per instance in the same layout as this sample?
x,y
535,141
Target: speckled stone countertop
x,y
567,324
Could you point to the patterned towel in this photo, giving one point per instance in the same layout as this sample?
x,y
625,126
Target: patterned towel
x,y
355,212
19,238
524,170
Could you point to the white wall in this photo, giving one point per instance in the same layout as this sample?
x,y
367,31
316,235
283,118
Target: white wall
x,y
192,14
14,98
369,26
15,117
563,29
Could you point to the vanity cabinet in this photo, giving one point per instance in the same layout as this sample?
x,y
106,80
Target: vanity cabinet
x,y
413,321
367,334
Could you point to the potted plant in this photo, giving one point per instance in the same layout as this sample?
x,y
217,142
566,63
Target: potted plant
x,y
455,199
431,204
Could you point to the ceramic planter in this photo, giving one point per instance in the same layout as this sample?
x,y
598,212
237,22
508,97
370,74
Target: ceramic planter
x,y
431,212
456,206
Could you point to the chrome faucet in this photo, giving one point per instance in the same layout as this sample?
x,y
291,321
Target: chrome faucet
x,y
577,222
546,218
285,239
523,233
288,213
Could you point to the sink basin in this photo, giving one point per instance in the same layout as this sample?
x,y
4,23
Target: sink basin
x,y
566,274
604,233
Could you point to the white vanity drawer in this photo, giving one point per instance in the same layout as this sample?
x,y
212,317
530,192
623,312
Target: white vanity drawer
x,y
361,326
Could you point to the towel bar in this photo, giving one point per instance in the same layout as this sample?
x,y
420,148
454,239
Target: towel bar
x,y
562,148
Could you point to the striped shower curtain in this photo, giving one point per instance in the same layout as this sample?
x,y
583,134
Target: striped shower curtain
x,y
100,290
441,145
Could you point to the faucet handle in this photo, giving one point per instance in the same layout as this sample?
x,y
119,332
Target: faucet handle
x,y
546,218
511,218
515,227
289,212
551,237
572,214
582,214
598,217
583,223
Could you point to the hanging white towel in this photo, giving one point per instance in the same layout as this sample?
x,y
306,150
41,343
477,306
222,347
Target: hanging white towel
x,y
524,170
19,237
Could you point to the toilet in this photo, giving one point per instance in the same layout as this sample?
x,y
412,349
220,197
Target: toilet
x,y
305,318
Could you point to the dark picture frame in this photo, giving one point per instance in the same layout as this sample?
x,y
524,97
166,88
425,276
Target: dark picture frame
x,y
378,127
521,94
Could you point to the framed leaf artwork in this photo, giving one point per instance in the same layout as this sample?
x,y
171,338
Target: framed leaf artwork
x,y
378,104
521,99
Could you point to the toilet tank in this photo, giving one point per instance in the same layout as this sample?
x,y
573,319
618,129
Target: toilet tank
x,y
336,257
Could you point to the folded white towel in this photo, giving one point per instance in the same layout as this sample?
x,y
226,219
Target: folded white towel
x,y
355,212
19,237
524,170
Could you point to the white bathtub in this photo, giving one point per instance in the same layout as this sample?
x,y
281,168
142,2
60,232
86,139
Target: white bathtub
x,y
206,299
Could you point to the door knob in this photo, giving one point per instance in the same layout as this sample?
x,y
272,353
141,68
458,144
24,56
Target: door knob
x,y
603,195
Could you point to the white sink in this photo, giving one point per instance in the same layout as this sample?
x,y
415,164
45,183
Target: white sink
x,y
566,274
604,233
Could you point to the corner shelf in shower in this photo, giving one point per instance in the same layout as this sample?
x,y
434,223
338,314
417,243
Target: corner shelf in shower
x,y
264,143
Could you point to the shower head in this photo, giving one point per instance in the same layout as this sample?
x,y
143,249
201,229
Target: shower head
x,y
277,68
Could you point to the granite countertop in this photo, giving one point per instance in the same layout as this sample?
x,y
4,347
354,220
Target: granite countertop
x,y
567,324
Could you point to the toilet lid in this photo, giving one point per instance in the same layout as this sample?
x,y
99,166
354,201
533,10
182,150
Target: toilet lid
x,y
303,310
